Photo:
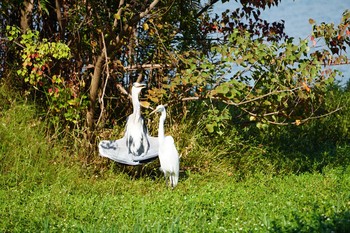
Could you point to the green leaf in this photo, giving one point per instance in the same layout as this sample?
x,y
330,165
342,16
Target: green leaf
x,y
222,89
266,102
252,118
210,128
259,125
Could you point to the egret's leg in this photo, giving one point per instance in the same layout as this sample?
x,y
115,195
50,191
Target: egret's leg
x,y
166,180
171,180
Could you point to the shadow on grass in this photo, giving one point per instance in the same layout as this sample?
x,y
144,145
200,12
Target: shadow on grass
x,y
310,151
339,222
292,149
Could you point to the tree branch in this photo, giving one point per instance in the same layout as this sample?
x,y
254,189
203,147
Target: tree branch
x,y
151,6
145,66
138,17
115,23
267,94
294,122
106,81
243,102
132,22
206,7
311,117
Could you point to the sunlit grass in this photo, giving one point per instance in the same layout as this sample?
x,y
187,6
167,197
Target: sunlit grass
x,y
46,188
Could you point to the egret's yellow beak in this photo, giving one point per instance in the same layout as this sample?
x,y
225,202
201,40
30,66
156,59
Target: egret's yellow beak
x,y
154,111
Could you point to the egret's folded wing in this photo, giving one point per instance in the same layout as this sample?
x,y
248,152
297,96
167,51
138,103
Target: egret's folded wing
x,y
117,151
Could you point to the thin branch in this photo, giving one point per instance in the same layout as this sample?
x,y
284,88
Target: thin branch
x,y
337,64
161,41
206,7
266,114
145,66
229,102
294,122
321,116
122,90
132,22
138,17
106,81
267,94
115,24
6,39
151,6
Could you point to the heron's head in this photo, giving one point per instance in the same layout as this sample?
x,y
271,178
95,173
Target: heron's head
x,y
160,108
137,87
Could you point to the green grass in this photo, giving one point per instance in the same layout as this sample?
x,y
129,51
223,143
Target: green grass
x,y
46,188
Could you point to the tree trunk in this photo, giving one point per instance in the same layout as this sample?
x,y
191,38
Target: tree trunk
x,y
94,90
60,19
26,14
95,82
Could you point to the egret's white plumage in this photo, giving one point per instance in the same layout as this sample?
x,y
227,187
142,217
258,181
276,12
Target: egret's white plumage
x,y
136,130
168,155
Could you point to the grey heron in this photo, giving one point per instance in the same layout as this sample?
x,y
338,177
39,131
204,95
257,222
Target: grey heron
x,y
168,154
136,132
136,147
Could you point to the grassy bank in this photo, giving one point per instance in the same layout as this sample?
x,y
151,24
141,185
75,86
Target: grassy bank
x,y
46,188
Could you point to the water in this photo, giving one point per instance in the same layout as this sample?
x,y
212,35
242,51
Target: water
x,y
296,14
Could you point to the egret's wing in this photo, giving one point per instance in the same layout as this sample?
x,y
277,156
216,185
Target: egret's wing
x,y
169,158
117,151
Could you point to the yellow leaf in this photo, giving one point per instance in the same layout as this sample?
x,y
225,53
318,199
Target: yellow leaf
x,y
117,16
145,26
306,87
151,92
145,104
93,43
71,102
154,99
297,122
119,63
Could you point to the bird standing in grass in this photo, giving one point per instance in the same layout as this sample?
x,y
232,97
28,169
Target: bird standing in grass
x,y
136,130
168,155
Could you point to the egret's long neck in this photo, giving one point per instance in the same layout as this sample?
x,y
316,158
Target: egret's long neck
x,y
136,103
161,127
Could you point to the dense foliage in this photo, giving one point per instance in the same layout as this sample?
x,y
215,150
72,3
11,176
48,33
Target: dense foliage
x,y
77,59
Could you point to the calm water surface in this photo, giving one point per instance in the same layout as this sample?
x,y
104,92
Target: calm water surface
x,y
296,14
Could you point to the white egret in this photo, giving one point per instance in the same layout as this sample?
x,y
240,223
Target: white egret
x,y
168,155
136,132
